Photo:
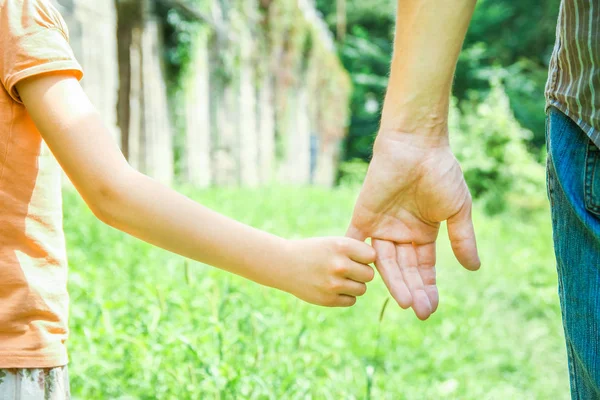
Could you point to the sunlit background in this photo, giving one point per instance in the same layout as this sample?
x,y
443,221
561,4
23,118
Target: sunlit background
x,y
266,110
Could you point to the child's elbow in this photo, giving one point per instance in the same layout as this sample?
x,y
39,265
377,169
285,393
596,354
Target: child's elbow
x,y
108,200
103,205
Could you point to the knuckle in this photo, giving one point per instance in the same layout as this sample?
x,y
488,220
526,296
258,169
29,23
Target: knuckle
x,y
340,245
334,286
339,267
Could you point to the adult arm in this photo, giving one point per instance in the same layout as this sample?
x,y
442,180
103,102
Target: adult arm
x,y
414,181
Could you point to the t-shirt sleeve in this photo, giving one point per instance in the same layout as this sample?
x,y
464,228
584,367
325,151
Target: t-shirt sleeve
x,y
33,40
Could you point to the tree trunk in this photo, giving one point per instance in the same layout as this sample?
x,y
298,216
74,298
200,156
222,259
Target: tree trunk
x,y
197,167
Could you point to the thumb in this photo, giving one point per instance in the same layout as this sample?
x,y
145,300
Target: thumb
x,y
355,233
462,237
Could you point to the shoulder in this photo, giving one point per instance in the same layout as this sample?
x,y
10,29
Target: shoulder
x,y
28,16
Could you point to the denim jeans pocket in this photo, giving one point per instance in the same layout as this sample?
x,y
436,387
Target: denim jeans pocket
x,y
592,178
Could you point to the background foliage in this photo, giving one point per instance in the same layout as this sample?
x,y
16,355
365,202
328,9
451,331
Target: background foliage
x,y
498,133
148,325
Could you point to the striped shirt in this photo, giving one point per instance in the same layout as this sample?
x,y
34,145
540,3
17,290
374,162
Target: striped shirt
x,y
574,80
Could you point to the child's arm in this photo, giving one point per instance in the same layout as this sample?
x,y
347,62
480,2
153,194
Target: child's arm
x,y
327,271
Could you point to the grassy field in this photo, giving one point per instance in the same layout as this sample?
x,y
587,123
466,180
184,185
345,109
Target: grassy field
x,y
149,325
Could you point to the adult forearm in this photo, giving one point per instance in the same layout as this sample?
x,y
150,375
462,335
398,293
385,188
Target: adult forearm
x,y
429,36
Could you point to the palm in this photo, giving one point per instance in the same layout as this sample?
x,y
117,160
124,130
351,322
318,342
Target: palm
x,y
409,190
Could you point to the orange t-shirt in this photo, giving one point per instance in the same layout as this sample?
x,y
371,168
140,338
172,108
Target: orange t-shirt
x,y
33,263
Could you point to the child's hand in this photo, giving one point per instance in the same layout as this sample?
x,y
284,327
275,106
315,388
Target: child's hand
x,y
329,271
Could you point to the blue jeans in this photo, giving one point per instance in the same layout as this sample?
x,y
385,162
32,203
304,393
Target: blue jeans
x,y
573,177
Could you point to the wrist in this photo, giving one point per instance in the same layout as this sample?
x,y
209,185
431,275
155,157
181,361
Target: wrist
x,y
281,261
423,119
391,138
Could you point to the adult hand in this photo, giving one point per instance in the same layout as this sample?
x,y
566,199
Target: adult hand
x,y
413,184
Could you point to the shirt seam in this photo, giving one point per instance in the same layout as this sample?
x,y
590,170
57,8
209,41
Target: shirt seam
x,y
42,359
52,66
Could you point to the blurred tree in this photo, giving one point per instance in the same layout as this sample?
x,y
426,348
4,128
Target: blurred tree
x,y
491,146
512,40
365,52
341,20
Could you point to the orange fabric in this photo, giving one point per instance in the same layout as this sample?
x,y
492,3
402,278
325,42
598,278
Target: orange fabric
x,y
33,263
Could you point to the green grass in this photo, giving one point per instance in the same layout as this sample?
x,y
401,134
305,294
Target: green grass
x,y
148,325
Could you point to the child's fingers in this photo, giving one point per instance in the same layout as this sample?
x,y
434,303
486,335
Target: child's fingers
x,y
359,272
352,288
345,301
360,251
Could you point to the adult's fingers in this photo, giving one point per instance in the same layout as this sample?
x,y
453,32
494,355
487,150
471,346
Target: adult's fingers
x,y
355,233
360,272
407,261
387,265
462,238
426,260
